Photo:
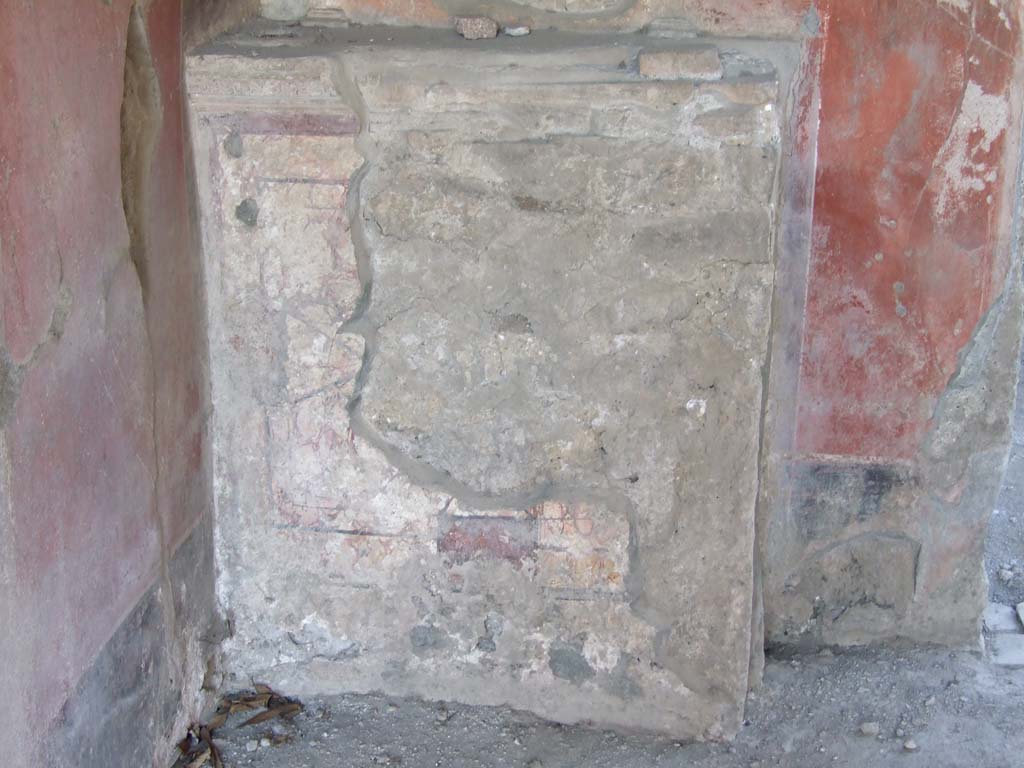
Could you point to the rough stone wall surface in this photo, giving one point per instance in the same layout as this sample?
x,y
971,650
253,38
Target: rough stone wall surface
x,y
488,325
102,393
896,315
904,381
205,19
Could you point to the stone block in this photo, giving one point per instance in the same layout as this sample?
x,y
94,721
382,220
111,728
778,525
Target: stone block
x,y
852,592
1007,650
516,384
1002,618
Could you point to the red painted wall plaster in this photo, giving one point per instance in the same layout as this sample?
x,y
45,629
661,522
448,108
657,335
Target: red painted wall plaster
x,y
910,195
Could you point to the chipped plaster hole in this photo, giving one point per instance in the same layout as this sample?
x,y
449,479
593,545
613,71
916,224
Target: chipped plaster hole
x,y
700,406
248,212
982,120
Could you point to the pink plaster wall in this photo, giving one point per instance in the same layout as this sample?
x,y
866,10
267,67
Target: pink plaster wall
x,y
103,444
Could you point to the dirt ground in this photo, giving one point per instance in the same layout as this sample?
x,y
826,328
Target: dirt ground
x,y
951,709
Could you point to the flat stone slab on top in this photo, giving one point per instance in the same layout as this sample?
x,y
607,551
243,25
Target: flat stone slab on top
x,y
1003,618
1007,650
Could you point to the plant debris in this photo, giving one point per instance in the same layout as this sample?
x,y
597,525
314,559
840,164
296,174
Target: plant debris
x,y
197,748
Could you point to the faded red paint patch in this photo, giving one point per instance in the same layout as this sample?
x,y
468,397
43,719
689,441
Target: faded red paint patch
x,y
583,547
511,539
297,124
904,259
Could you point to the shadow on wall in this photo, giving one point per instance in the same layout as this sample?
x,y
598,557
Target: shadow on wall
x,y
140,126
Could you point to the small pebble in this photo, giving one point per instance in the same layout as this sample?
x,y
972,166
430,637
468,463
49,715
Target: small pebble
x,y
251,746
910,745
476,27
264,742
233,144
518,31
248,212
870,729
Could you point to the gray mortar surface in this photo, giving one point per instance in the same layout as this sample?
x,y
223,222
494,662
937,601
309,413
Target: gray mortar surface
x,y
1004,546
1004,543
957,709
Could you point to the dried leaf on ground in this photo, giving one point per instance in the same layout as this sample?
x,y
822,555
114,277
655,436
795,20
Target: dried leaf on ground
x,y
283,710
248,702
197,748
219,718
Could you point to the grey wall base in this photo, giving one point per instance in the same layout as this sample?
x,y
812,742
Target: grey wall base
x,y
132,705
